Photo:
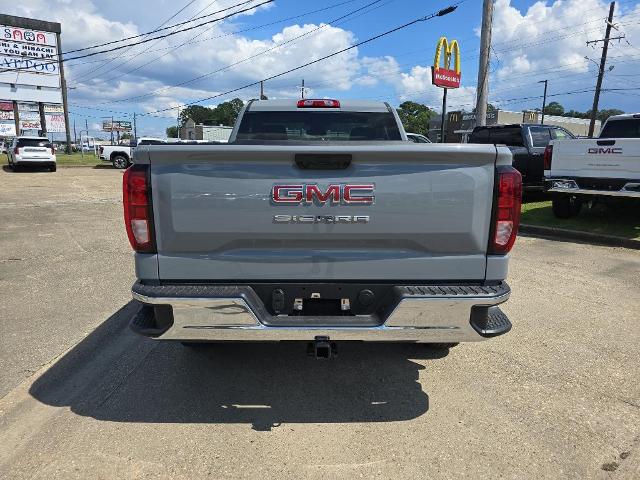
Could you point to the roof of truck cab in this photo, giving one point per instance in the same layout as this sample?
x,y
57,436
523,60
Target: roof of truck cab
x,y
292,105
623,116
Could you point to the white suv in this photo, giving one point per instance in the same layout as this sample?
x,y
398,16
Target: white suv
x,y
31,151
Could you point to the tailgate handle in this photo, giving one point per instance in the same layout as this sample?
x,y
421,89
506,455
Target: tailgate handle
x,y
606,143
322,161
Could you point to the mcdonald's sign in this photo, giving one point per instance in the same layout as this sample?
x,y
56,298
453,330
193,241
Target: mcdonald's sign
x,y
446,77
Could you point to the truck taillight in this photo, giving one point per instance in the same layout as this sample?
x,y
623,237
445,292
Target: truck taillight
x,y
101,150
506,216
318,103
16,151
138,217
548,153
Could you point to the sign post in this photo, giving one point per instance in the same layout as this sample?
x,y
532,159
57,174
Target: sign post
x,y
445,77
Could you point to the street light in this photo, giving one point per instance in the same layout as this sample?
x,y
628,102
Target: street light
x,y
544,100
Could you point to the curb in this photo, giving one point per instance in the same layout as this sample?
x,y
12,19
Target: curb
x,y
564,234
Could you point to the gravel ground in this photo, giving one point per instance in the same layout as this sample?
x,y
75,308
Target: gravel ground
x,y
83,397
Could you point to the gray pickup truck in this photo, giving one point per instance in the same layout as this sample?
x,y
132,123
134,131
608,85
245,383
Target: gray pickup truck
x,y
320,222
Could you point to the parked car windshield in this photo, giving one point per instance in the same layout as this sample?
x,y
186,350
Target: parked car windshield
x,y
627,128
33,142
510,136
318,126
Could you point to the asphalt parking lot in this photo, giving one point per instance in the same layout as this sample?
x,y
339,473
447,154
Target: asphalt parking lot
x,y
83,397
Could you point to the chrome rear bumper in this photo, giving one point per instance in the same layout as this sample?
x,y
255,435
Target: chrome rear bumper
x,y
460,313
559,185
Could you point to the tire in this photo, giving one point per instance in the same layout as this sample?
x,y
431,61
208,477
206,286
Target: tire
x,y
53,167
120,161
566,206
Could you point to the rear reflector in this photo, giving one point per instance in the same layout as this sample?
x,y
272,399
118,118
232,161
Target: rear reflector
x,y
318,103
136,197
507,211
548,153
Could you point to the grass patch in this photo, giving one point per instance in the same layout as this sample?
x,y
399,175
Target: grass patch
x,y
76,159
619,220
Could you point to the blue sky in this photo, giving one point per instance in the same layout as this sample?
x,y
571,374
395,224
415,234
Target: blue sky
x,y
531,41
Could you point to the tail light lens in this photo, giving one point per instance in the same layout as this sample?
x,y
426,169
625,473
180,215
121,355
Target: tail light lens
x,y
101,149
548,153
318,103
138,216
506,216
53,151
16,151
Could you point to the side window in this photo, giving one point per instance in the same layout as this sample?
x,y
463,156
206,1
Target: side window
x,y
560,133
540,136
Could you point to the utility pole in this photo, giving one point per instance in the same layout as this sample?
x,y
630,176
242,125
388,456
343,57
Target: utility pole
x,y
135,129
63,85
444,115
544,99
482,97
302,89
262,95
111,130
75,135
603,60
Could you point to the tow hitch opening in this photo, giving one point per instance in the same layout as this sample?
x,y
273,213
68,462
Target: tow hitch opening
x,y
322,349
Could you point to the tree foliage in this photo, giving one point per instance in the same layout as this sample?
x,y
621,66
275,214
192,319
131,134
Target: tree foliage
x,y
172,132
415,117
225,113
554,108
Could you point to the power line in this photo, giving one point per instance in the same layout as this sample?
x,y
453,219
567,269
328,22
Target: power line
x,y
440,13
262,52
163,28
92,72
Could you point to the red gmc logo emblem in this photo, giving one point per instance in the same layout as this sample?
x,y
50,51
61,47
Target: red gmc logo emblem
x,y
334,194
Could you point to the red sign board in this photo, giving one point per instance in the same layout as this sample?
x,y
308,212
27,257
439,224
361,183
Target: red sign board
x,y
443,77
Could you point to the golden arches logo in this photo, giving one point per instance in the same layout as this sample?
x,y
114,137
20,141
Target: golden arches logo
x,y
446,76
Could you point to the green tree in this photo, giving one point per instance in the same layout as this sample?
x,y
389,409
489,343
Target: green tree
x,y
415,117
198,113
125,136
172,132
227,112
554,108
604,114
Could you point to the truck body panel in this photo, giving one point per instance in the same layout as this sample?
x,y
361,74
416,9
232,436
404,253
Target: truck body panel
x,y
214,216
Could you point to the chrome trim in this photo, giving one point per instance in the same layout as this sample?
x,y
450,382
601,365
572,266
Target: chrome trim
x,y
424,318
604,193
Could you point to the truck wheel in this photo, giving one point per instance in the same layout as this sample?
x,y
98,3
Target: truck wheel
x,y
120,161
566,206
53,167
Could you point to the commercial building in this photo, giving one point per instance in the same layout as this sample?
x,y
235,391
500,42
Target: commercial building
x,y
460,124
207,133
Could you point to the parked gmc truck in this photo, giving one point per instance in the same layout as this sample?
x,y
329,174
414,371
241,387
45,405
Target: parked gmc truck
x,y
591,170
320,222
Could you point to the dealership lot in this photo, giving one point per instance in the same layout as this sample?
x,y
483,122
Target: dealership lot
x,y
83,397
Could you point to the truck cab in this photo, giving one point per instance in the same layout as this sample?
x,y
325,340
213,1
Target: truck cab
x,y
527,142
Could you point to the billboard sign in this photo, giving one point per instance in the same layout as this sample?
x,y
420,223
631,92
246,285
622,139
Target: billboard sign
x,y
30,124
29,57
7,129
55,122
116,126
445,76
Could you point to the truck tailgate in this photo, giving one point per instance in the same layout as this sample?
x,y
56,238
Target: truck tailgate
x,y
606,158
214,213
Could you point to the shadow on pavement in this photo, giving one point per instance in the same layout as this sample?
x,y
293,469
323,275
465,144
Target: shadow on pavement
x,y
115,375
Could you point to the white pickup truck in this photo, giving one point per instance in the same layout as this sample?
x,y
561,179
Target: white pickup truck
x,y
120,155
600,169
